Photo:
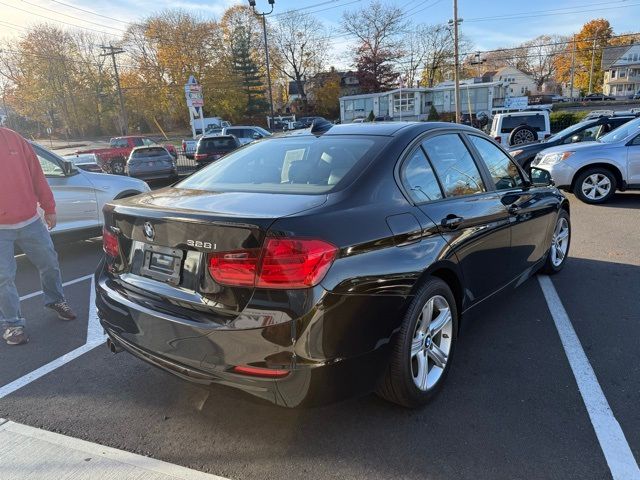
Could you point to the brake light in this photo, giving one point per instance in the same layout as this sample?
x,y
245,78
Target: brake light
x,y
200,156
498,139
281,263
260,372
234,268
110,243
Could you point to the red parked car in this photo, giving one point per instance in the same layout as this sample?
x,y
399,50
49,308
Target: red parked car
x,y
114,158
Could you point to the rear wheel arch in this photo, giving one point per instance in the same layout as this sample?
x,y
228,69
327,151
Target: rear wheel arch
x,y
606,166
450,276
126,194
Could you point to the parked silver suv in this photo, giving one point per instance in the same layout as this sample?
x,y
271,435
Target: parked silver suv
x,y
593,171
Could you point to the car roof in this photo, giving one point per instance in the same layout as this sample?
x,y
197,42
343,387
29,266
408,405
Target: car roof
x,y
387,129
148,147
206,137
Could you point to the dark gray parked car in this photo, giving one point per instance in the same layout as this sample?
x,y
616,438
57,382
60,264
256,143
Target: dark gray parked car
x,y
152,163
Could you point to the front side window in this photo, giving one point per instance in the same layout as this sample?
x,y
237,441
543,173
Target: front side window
x,y
588,134
454,165
501,167
419,178
49,166
301,165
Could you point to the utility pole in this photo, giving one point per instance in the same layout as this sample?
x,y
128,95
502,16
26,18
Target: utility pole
x,y
456,73
593,55
573,65
113,51
252,4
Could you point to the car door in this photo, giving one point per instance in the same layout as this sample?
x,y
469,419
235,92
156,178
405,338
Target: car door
x,y
633,162
470,217
531,210
76,202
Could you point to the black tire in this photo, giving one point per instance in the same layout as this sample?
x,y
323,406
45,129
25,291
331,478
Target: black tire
x,y
118,166
551,267
522,135
398,385
590,176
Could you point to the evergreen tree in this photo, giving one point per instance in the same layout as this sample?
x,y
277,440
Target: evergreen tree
x,y
246,70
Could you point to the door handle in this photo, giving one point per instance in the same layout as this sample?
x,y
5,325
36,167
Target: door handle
x,y
514,209
451,221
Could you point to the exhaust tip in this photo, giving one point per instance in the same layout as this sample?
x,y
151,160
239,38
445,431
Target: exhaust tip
x,y
113,347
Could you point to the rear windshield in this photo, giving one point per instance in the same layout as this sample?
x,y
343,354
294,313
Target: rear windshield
x,y
207,145
306,165
534,121
149,152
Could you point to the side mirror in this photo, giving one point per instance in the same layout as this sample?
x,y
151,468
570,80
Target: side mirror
x,y
540,178
69,168
576,139
256,136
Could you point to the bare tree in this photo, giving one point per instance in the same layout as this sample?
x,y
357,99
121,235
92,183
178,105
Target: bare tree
x,y
541,53
302,44
438,58
377,29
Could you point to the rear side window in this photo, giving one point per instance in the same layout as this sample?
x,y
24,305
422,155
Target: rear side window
x,y
305,165
207,145
503,171
239,132
149,152
535,121
454,165
419,178
118,143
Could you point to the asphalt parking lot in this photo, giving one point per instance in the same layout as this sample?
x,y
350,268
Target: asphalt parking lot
x,y
512,407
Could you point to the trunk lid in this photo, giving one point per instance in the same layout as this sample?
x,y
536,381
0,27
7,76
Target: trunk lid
x,y
165,238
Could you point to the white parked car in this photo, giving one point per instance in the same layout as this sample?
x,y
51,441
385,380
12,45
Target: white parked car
x,y
518,128
246,134
80,195
595,170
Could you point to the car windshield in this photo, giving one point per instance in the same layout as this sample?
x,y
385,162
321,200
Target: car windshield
x,y
301,165
149,152
82,158
207,145
622,132
567,131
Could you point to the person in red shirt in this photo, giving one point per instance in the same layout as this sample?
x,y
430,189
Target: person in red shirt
x,y
22,188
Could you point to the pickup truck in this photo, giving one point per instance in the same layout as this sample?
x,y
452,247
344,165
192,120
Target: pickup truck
x,y
114,159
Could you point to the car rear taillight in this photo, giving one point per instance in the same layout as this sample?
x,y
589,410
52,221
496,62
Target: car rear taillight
x,y
498,139
235,268
260,372
281,263
110,243
200,156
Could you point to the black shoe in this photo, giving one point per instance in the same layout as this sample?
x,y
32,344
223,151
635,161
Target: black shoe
x,y
63,310
15,336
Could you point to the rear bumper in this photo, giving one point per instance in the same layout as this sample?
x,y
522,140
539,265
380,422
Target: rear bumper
x,y
337,349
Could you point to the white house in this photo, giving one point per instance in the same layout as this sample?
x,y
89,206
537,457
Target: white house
x,y
621,67
518,82
414,103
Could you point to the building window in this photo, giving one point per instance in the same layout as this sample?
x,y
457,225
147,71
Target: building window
x,y
635,57
348,105
623,74
438,99
404,103
613,74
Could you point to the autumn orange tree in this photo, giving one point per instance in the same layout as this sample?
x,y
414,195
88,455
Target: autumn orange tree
x,y
588,43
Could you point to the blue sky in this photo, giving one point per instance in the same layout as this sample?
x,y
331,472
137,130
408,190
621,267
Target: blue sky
x,y
486,23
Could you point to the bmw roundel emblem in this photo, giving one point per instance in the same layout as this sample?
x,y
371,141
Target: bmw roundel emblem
x,y
149,232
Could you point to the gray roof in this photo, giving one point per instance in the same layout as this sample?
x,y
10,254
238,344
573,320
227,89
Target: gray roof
x,y
611,54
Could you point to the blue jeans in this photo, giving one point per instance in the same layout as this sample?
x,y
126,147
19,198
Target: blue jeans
x,y
35,241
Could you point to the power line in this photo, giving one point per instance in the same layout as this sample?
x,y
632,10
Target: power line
x,y
90,12
71,16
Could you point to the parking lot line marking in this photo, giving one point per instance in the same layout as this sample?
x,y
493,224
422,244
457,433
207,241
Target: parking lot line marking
x,y
52,455
65,284
613,442
95,337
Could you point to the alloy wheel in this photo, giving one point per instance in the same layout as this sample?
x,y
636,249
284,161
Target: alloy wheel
x,y
117,168
596,186
523,136
560,242
431,344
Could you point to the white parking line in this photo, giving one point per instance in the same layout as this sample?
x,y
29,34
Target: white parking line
x,y
70,282
95,337
614,444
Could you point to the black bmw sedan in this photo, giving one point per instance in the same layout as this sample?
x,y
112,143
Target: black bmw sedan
x,y
332,262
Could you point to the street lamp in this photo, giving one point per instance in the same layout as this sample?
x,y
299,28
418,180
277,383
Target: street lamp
x,y
252,4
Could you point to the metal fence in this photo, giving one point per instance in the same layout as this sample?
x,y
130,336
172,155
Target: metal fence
x,y
186,164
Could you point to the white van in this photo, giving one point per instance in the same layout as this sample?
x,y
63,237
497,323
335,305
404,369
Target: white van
x,y
516,128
